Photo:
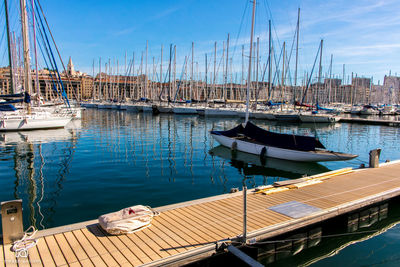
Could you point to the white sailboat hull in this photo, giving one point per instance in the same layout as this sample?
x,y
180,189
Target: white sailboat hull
x,y
163,109
21,123
264,115
215,112
184,110
281,153
318,118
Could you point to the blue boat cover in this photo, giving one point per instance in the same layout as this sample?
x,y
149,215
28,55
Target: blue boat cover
x,y
286,141
7,107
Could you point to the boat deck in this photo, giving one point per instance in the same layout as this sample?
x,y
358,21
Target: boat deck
x,y
188,231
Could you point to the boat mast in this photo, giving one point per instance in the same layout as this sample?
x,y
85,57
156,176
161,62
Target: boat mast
x,y
145,71
249,70
226,70
319,73
283,73
330,97
297,57
269,61
257,63
169,73
25,37
206,90
215,67
161,77
191,76
9,49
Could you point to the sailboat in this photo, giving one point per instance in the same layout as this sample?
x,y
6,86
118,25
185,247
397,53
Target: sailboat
x,y
249,138
27,117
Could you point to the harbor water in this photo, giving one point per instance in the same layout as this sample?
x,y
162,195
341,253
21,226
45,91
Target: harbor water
x,y
113,159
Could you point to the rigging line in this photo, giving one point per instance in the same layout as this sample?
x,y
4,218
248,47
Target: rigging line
x,y
65,98
180,80
309,80
240,29
272,22
50,71
55,45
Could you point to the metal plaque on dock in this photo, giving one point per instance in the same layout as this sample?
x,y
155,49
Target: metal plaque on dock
x,y
294,209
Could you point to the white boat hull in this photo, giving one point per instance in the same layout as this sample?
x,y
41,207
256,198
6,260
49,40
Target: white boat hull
x,y
280,153
264,115
214,112
32,123
184,110
147,109
318,118
163,109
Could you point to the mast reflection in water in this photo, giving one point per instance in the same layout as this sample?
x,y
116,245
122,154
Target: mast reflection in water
x,y
40,161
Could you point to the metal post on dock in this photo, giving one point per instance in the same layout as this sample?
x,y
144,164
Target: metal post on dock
x,y
11,220
374,158
244,237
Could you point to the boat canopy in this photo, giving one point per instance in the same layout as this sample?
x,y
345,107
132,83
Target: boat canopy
x,y
7,107
322,108
286,141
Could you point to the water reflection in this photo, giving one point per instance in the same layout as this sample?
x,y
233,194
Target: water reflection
x,y
26,149
249,164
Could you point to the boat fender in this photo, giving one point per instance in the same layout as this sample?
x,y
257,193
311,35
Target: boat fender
x,y
263,152
234,146
263,155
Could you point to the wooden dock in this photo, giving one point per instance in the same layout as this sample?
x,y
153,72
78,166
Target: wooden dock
x,y
189,231
370,121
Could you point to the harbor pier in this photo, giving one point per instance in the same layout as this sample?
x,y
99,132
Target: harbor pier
x,y
189,231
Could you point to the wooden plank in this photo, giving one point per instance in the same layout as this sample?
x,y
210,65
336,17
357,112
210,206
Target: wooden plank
x,y
65,248
115,241
44,252
97,261
99,247
9,256
188,229
203,223
164,246
169,238
75,246
214,220
132,259
266,216
232,213
23,262
184,239
108,245
195,225
34,257
87,263
87,248
55,251
152,244
2,257
142,257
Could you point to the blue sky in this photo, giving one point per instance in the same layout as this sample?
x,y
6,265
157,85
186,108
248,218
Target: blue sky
x,y
363,34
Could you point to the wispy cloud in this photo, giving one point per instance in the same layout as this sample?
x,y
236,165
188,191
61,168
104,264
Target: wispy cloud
x,y
125,31
165,13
